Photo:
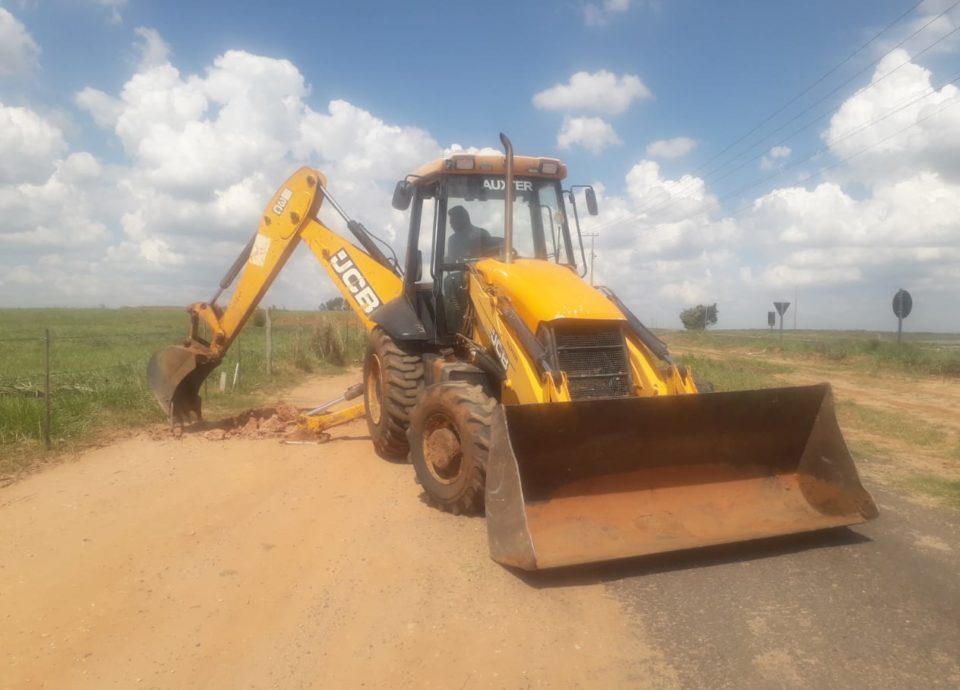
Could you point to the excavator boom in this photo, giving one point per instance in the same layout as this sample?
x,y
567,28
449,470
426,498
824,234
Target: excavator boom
x,y
365,278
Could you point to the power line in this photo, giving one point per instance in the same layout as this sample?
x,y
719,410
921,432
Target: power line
x,y
847,81
657,205
901,106
828,145
663,204
814,84
845,159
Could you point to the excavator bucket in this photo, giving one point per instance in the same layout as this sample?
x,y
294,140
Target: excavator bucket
x,y
175,374
579,482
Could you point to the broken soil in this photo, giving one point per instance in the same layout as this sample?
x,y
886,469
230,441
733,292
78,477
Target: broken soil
x,y
278,421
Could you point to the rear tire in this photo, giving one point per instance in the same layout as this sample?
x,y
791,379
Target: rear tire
x,y
449,438
392,379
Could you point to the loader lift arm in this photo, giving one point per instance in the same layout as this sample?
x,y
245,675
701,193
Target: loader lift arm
x,y
365,276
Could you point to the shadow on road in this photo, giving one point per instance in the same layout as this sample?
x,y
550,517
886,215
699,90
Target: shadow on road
x,y
705,557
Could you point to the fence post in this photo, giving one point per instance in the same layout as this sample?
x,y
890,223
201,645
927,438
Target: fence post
x,y
269,343
46,388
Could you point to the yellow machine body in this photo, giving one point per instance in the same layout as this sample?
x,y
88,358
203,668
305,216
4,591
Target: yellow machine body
x,y
600,446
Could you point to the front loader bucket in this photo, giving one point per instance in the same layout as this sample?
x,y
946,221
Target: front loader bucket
x,y
580,482
175,374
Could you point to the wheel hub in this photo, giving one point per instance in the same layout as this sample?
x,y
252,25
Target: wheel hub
x,y
442,450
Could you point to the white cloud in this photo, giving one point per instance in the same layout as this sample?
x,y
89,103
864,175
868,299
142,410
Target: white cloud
x,y
201,153
786,276
775,157
846,243
592,133
204,152
103,108
29,145
18,50
114,6
919,210
899,124
601,92
662,199
926,29
678,147
598,14
153,49
156,250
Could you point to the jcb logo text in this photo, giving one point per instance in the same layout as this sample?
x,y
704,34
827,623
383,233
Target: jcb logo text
x,y
355,282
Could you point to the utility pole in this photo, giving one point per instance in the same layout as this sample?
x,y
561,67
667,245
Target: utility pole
x,y
593,254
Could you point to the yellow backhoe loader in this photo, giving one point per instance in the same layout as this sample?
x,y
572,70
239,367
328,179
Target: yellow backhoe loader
x,y
517,389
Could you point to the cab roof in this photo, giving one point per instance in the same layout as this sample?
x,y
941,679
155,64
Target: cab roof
x,y
496,164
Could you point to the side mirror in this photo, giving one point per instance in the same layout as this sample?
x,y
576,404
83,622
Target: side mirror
x,y
403,193
591,201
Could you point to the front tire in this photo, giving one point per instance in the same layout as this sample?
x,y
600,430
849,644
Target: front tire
x,y
392,379
449,438
703,386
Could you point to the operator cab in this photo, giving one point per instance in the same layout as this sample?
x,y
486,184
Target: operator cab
x,y
457,217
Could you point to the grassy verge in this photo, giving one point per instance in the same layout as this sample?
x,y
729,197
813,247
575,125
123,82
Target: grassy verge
x,y
946,490
892,425
924,354
889,434
98,363
734,373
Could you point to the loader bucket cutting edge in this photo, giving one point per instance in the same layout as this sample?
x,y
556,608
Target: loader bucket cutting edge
x,y
572,483
175,375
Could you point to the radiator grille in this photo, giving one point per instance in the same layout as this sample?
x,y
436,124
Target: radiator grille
x,y
595,363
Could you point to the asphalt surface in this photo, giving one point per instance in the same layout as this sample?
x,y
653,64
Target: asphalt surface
x,y
875,606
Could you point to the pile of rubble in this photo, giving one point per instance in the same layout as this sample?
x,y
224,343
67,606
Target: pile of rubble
x,y
265,422
277,421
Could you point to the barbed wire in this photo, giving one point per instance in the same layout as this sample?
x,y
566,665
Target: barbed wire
x,y
55,337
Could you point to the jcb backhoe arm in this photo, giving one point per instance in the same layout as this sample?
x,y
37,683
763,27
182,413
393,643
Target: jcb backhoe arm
x,y
365,277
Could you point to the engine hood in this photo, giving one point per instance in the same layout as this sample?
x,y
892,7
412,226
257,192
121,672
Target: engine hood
x,y
542,291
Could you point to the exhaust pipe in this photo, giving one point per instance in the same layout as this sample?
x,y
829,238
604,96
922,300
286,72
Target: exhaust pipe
x,y
508,201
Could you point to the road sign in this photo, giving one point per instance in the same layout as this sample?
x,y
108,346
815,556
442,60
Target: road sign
x,y
781,309
771,318
902,304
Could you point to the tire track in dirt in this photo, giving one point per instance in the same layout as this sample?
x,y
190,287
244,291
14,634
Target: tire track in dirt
x,y
246,563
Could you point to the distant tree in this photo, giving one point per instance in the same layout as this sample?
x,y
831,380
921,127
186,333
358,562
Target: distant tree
x,y
699,317
335,304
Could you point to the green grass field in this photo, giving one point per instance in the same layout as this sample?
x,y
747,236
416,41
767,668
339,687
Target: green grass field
x,y
98,360
935,354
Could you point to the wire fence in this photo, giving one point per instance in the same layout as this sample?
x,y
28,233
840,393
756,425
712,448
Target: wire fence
x,y
55,382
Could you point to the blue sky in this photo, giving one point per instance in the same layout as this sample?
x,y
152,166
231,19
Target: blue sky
x,y
423,77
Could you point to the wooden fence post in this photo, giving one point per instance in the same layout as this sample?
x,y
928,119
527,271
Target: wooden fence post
x,y
269,333
46,388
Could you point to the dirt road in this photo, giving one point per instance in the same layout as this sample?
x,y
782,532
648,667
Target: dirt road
x,y
249,564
